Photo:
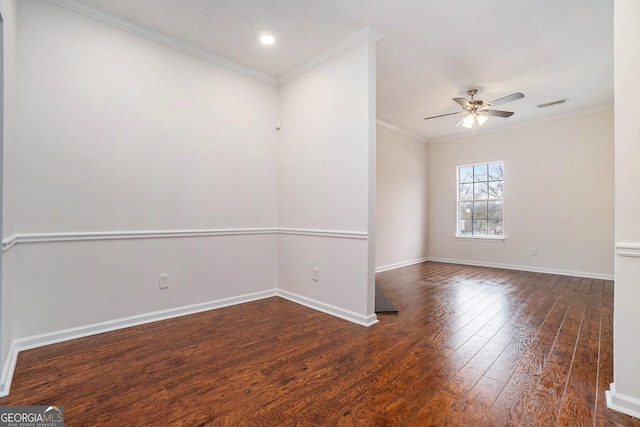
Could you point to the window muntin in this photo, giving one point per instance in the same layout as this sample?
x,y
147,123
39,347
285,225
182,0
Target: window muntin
x,y
480,200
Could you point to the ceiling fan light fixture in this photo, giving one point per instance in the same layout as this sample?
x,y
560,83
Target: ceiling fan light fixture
x,y
468,121
473,119
477,111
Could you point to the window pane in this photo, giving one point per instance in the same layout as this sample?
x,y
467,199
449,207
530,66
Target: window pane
x,y
495,189
466,191
480,200
465,227
495,227
495,210
480,210
466,211
479,190
496,171
480,227
465,174
480,173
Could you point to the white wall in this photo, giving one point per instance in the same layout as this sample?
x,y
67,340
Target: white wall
x,y
625,391
101,111
75,284
9,74
118,133
325,167
401,204
558,196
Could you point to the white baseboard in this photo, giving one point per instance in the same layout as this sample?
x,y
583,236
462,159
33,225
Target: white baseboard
x,y
112,325
8,369
586,274
400,264
329,309
622,403
126,322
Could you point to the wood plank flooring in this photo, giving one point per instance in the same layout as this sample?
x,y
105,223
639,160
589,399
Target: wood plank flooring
x,y
471,346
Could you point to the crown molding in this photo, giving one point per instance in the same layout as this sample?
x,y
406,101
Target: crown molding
x,y
532,122
171,42
366,33
401,131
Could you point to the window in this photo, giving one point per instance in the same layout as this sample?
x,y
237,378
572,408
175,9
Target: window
x,y
480,190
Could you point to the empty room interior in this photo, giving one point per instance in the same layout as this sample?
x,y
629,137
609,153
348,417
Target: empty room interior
x,y
198,224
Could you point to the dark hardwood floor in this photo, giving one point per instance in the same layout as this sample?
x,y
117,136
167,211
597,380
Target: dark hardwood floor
x,y
471,346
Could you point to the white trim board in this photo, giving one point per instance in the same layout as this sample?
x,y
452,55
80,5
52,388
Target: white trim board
x,y
366,33
586,274
622,403
351,316
528,123
126,235
25,238
628,250
27,343
401,264
401,131
358,235
8,370
54,337
163,39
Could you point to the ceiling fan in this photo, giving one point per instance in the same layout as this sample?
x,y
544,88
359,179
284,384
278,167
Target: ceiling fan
x,y
477,111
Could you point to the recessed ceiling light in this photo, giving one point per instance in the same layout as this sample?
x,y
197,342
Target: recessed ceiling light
x,y
267,38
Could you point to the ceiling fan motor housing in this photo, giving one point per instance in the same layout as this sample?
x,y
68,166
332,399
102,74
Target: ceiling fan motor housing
x,y
475,103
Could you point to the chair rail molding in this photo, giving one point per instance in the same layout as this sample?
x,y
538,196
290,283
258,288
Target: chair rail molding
x,y
627,249
28,238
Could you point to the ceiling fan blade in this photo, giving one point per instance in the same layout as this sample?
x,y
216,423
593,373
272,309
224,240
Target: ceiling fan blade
x,y
498,113
443,115
505,99
463,102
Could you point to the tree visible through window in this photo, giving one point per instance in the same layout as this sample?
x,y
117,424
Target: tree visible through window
x,y
480,193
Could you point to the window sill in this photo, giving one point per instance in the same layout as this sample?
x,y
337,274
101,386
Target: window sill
x,y
482,238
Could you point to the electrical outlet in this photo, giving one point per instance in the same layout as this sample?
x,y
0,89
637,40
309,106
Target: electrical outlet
x,y
315,273
534,251
164,281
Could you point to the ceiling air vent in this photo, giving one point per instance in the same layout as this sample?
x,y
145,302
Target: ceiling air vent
x,y
549,104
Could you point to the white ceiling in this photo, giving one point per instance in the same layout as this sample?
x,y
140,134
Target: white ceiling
x,y
431,50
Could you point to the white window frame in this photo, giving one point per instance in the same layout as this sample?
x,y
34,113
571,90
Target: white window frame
x,y
490,238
